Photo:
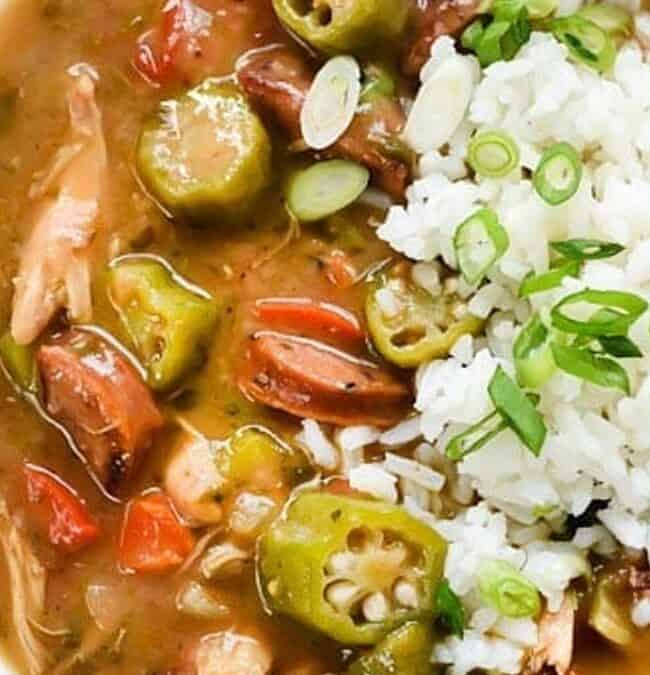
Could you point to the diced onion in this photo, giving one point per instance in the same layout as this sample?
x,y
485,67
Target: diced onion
x,y
440,104
331,102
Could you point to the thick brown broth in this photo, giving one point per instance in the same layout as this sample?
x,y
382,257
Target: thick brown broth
x,y
147,632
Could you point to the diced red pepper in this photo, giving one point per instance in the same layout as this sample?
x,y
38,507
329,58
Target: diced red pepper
x,y
310,318
70,526
153,540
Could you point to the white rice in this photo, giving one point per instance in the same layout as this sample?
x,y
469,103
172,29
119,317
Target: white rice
x,y
598,442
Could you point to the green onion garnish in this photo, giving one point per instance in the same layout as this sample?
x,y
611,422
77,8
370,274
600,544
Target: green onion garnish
x,y
493,154
517,410
540,9
588,43
619,346
537,283
475,437
532,354
625,308
558,174
325,188
479,242
586,249
592,367
449,609
472,35
613,19
506,589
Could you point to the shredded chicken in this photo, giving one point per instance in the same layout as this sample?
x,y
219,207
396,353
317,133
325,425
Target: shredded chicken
x,y
27,587
54,271
554,649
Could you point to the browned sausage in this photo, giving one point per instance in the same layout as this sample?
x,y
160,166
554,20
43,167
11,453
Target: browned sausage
x,y
309,379
439,17
98,396
277,81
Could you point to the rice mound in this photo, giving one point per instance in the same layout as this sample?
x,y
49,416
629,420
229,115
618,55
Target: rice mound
x,y
598,442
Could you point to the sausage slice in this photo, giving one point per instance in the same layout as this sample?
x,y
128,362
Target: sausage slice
x,y
100,399
309,379
277,81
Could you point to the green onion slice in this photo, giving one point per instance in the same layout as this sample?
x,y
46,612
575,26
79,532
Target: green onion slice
x,y
613,19
507,10
537,283
517,410
506,589
479,242
493,154
450,609
325,188
532,354
625,308
592,367
586,249
475,437
619,346
472,35
540,9
588,43
558,174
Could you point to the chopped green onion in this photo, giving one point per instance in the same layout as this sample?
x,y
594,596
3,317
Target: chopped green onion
x,y
613,19
540,9
507,590
507,10
18,363
377,83
472,35
450,609
588,43
619,346
594,368
625,308
479,242
532,354
475,437
586,249
325,188
558,174
517,410
501,40
538,283
493,154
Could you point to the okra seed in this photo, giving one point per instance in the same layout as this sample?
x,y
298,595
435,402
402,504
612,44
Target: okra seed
x,y
342,595
406,594
340,563
376,608
273,587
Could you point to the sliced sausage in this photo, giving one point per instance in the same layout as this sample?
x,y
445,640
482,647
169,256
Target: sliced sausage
x,y
277,81
98,396
309,379
439,17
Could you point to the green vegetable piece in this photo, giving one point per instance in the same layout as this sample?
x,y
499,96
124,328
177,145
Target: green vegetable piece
x,y
532,353
378,82
538,283
540,9
351,568
343,26
592,367
624,309
205,156
475,437
502,39
586,249
607,614
325,188
451,612
170,322
619,346
472,35
613,19
506,589
517,410
19,364
558,174
479,242
405,651
252,458
421,327
493,154
588,43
